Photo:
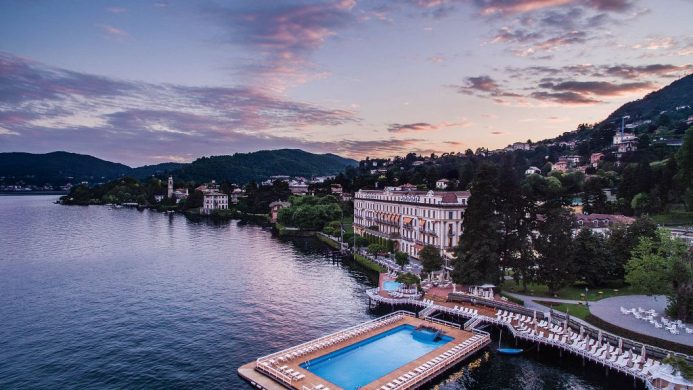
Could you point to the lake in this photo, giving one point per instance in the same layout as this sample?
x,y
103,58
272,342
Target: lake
x,y
101,298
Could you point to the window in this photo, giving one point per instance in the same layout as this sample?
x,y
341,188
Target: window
x,y
450,215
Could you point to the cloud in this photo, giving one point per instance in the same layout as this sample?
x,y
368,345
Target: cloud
x,y
496,132
113,32
423,126
599,88
504,7
621,71
484,86
566,98
41,105
282,37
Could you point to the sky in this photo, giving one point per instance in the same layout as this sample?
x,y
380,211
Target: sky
x,y
144,82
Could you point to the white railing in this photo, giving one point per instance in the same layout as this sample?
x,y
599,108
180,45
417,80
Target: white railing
x,y
442,363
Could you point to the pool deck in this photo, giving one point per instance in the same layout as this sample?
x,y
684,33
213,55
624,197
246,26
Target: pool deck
x,y
261,380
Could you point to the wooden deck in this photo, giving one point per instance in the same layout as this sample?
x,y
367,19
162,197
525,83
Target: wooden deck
x,y
312,380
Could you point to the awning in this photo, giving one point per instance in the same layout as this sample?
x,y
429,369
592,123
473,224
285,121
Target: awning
x,y
407,220
418,247
422,223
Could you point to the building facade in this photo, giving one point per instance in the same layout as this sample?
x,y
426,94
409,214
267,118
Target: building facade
x,y
412,219
214,200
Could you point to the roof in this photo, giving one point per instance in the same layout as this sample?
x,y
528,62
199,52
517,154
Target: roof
x,y
449,197
605,218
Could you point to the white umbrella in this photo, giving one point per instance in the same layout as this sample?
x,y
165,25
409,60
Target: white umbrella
x,y
643,353
620,344
454,288
582,330
534,319
599,338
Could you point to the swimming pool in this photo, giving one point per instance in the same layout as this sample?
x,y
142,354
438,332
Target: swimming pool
x,y
362,363
391,285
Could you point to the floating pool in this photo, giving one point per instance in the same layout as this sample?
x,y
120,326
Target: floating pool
x,y
391,285
362,363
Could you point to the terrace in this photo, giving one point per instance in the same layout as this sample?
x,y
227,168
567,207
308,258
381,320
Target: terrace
x,y
374,351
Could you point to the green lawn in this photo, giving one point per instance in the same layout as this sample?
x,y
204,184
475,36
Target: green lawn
x,y
575,293
674,218
579,311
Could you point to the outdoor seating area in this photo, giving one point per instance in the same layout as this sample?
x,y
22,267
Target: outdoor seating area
x,y
673,327
616,357
438,363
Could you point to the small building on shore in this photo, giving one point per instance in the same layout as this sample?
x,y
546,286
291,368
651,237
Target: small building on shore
x,y
214,200
274,209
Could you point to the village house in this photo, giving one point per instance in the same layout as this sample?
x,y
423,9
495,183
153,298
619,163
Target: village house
x,y
274,209
336,189
214,200
442,184
562,165
532,171
595,158
601,223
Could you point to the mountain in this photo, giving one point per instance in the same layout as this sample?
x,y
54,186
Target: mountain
x,y
660,114
677,94
156,169
58,168
246,167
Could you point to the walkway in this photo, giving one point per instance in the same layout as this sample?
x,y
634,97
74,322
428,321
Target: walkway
x,y
608,309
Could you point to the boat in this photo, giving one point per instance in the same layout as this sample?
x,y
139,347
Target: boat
x,y
507,351
510,351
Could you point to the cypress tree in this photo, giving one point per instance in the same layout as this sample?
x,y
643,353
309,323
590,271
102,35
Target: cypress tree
x,y
478,251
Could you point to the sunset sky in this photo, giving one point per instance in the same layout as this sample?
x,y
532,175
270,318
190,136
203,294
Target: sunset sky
x,y
143,82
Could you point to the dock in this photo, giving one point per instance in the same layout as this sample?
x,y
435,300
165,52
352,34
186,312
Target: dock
x,y
633,359
282,369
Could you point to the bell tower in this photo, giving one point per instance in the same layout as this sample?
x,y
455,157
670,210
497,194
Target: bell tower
x,y
169,194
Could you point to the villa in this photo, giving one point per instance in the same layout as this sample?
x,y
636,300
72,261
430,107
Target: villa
x,y
412,218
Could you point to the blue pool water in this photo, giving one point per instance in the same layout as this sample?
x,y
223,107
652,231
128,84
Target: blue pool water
x,y
361,363
391,286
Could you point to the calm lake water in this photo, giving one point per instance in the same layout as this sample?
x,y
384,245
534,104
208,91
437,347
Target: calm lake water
x,y
101,298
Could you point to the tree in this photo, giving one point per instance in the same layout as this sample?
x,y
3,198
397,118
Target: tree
x,y
661,265
591,257
408,279
555,260
684,159
623,239
478,250
375,249
640,203
401,259
430,259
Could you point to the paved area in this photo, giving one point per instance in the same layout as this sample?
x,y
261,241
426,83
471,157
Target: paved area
x,y
608,309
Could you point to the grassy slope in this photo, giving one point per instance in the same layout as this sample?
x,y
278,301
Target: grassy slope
x,y
540,290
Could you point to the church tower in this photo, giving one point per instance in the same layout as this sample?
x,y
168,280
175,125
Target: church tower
x,y
169,194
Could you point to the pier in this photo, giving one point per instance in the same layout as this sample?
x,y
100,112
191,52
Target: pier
x,y
639,361
287,368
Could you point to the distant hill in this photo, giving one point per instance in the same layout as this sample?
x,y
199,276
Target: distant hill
x,y
246,167
656,113
157,169
58,168
678,93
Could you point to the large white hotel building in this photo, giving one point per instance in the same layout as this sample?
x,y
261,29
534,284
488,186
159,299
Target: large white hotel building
x,y
412,218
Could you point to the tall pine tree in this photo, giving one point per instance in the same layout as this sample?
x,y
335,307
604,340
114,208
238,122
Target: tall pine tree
x,y
554,246
478,251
